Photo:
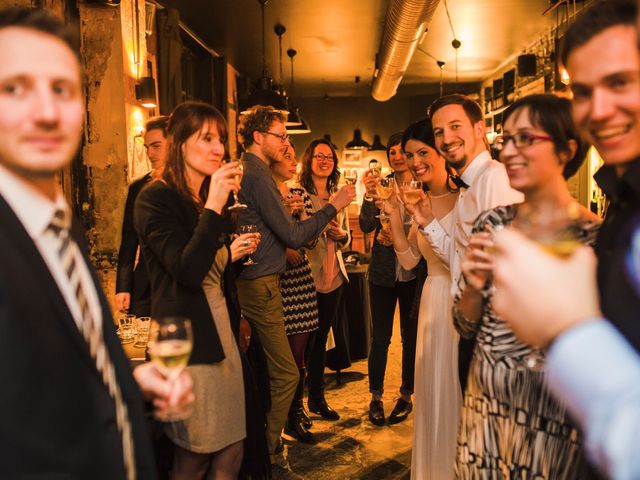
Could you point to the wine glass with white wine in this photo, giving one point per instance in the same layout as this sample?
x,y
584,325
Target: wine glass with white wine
x,y
375,169
170,344
385,188
553,228
350,176
411,192
237,205
248,229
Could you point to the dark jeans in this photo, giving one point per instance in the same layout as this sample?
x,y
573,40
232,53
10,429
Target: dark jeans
x,y
383,305
328,304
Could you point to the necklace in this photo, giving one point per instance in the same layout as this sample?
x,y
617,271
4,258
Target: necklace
x,y
440,196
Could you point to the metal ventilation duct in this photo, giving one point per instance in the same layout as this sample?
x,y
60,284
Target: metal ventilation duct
x,y
405,23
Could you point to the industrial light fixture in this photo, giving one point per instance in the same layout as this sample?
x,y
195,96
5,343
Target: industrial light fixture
x,y
293,119
299,129
377,144
357,143
146,92
296,125
327,137
265,94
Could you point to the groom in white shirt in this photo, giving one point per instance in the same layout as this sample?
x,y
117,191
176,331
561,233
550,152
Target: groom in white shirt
x,y
459,130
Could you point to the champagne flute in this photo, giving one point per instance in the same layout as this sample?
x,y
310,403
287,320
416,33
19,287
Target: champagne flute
x,y
170,344
237,205
385,220
375,169
350,176
411,194
248,229
296,191
385,188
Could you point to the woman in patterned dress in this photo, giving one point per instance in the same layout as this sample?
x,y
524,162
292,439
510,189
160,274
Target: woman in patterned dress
x,y
299,300
511,427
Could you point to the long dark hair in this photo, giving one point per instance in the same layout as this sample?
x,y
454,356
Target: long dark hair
x,y
305,174
422,131
187,118
553,115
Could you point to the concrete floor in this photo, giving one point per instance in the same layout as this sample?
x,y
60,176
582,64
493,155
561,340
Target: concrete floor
x,y
352,447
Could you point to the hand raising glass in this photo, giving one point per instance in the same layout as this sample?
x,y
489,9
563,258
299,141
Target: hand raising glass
x,y
249,229
237,205
170,344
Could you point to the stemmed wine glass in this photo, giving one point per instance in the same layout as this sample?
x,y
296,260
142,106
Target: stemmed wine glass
x,y
411,194
350,176
299,192
385,188
248,229
170,344
237,205
552,228
375,169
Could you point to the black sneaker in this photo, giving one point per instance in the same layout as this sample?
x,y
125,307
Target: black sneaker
x,y
376,412
401,411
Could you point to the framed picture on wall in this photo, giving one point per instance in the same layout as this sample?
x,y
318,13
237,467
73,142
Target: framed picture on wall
x,y
352,158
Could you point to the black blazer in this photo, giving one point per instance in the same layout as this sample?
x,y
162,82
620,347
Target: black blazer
x,y
132,277
57,419
179,245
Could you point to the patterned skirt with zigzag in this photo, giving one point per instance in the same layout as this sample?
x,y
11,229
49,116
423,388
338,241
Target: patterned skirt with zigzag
x,y
299,299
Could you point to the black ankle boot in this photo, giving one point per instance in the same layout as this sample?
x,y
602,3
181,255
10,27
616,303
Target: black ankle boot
x,y
295,422
304,415
318,404
295,427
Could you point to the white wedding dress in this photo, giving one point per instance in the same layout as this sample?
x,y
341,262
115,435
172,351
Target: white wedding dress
x,y
437,396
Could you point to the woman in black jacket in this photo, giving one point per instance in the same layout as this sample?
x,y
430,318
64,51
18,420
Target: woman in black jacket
x,y
184,238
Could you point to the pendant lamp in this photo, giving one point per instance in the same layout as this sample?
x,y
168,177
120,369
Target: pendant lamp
x,y
265,94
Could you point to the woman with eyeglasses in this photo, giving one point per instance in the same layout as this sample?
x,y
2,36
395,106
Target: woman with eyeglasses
x,y
319,177
437,396
510,425
299,299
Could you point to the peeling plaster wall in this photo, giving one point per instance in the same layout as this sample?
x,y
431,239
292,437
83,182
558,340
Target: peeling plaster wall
x,y
109,132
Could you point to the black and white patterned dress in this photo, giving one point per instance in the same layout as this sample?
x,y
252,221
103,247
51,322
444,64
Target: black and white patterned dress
x,y
511,426
298,289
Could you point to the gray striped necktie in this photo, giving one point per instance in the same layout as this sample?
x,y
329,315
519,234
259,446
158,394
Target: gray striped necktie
x,y
91,328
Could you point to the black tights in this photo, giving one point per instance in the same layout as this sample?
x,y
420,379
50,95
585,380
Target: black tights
x,y
298,343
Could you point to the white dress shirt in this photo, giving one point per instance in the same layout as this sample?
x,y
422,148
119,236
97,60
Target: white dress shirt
x,y
35,212
488,188
593,370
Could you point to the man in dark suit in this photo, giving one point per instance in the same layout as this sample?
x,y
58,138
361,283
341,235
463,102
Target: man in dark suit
x,y
133,293
70,406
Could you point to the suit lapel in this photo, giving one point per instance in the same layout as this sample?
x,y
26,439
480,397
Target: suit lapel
x,y
24,246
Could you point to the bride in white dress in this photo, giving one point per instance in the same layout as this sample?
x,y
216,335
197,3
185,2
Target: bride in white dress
x,y
437,395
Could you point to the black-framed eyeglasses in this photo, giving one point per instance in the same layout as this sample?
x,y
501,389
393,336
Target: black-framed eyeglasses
x,y
520,140
282,136
321,157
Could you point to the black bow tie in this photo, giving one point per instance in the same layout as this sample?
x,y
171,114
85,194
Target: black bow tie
x,y
458,182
